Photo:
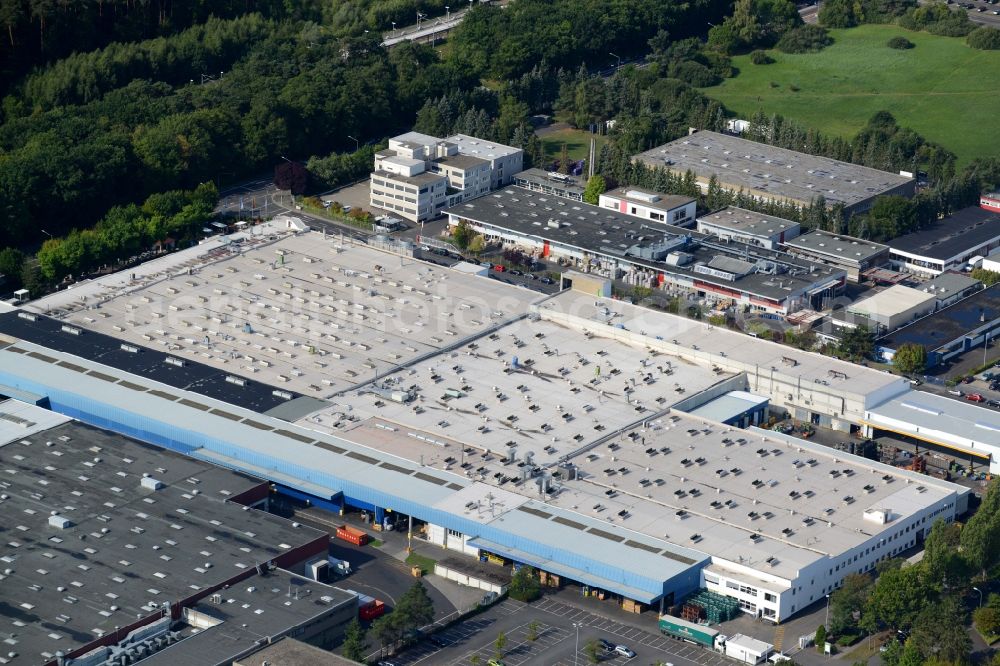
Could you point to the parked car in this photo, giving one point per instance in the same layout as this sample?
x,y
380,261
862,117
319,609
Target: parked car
x,y
499,268
515,273
437,641
975,397
915,382
494,662
485,264
547,280
968,380
607,645
955,392
624,651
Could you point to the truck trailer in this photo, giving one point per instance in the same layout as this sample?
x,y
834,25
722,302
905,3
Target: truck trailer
x,y
693,633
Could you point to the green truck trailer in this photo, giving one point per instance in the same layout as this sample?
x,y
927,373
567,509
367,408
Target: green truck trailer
x,y
691,632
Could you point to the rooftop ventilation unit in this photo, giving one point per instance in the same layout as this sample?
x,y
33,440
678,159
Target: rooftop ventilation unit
x,y
60,522
149,483
172,360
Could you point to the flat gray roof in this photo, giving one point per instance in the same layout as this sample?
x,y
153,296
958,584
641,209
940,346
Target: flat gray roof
x,y
595,229
837,246
948,284
963,231
778,172
418,180
664,201
269,605
128,548
540,177
748,221
461,161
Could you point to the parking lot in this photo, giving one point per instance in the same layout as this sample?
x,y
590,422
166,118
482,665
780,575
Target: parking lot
x,y
556,642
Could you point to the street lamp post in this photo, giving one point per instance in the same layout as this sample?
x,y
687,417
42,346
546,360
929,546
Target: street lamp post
x,y
447,11
986,344
394,28
827,622
619,66
357,144
980,596
576,652
46,233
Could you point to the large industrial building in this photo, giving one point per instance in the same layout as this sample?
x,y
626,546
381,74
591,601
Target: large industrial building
x,y
118,551
650,254
950,243
775,174
581,435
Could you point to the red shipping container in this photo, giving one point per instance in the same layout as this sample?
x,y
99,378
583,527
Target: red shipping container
x,y
352,535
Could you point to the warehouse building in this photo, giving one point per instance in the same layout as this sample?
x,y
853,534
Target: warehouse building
x,y
649,205
948,244
952,331
770,173
853,255
551,435
745,226
124,550
614,245
894,307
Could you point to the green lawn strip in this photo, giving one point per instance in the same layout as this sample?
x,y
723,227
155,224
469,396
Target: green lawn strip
x,y
425,563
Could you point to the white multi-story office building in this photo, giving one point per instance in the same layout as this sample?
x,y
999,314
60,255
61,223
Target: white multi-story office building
x,y
418,175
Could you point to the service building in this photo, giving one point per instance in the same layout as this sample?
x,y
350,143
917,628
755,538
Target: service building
x,y
854,255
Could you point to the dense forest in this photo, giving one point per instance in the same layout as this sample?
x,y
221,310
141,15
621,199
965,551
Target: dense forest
x,y
109,103
178,93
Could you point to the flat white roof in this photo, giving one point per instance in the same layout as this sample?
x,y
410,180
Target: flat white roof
x,y
304,312
488,150
19,420
895,300
714,345
939,419
545,386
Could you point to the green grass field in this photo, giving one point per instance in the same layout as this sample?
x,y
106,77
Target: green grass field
x,y
944,90
577,144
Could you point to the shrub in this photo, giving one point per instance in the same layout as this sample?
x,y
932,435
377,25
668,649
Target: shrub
x,y
794,88
761,58
775,84
901,43
984,38
805,39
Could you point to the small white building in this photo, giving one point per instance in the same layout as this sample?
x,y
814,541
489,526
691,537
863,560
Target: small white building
x,y
649,205
748,650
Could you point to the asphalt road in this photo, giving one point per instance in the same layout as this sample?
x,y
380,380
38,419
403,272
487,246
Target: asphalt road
x,y
373,572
